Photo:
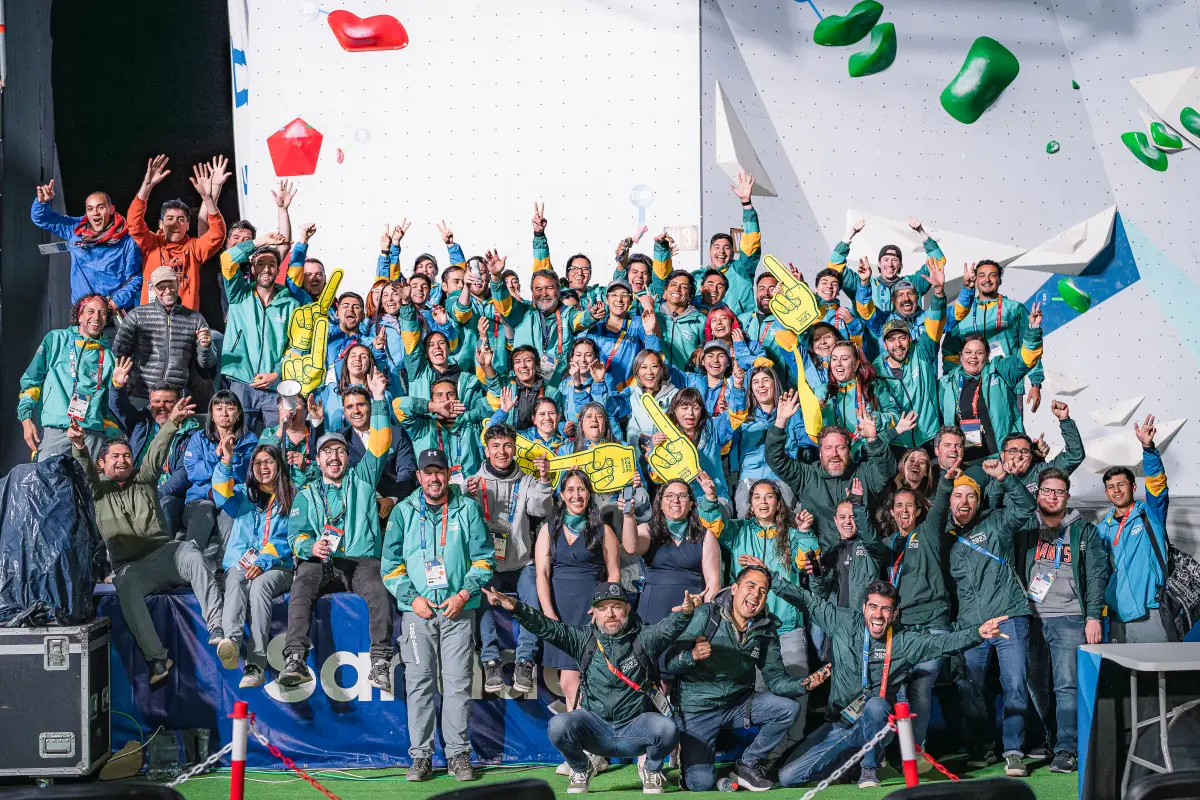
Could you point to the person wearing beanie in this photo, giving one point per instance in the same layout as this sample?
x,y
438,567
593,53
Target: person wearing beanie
x,y
891,264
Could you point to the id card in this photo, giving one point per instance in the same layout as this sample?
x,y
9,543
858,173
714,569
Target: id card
x,y
549,362
1039,587
997,350
78,408
973,431
435,574
501,545
334,537
852,712
247,559
457,478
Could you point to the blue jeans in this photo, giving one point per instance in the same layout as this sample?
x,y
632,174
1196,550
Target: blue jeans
x,y
1053,643
260,406
524,583
918,691
579,732
772,714
826,747
1012,654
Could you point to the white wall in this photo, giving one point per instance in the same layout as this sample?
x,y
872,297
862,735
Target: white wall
x,y
489,108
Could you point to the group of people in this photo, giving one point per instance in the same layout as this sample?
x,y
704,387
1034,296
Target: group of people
x,y
867,498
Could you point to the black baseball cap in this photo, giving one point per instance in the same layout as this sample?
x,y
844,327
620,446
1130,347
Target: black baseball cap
x,y
432,458
607,590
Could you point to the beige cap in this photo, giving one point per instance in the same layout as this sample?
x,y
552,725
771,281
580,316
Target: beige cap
x,y
163,274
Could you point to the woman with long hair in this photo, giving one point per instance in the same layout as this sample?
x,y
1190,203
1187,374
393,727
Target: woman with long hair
x,y
851,394
679,554
915,472
374,307
650,376
574,550
357,365
748,458
258,560
587,381
225,419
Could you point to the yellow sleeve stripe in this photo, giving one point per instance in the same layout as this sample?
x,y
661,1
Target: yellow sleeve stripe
x,y
1030,357
398,411
411,340
481,565
717,526
738,418
300,537
270,550
295,274
503,307
379,440
399,572
960,311
460,316
865,310
751,243
229,267
933,328
223,488
1156,484
34,393
837,266
540,264
662,268
482,378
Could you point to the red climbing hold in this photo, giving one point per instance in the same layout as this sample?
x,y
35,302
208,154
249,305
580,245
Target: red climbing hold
x,y
357,35
295,148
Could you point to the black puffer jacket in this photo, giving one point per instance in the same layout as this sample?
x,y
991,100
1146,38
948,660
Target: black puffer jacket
x,y
162,344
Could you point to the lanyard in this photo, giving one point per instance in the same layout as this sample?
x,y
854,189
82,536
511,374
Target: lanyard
x,y
762,335
614,670
445,521
1058,551
898,567
974,400
981,550
546,331
78,359
512,501
616,344
887,661
266,523
329,517
1121,527
720,394
454,464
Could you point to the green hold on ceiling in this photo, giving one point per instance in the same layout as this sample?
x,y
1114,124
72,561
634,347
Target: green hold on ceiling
x,y
1148,154
1076,298
879,54
1074,84
839,31
1189,118
1162,136
987,70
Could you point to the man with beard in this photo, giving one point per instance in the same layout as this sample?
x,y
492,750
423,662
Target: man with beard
x,y
305,276
444,423
891,264
906,303
981,566
821,487
982,394
437,555
1063,565
617,714
871,660
738,269
621,335
511,500
400,464
333,531
1018,451
716,659
681,324
140,425
171,246
105,259
256,333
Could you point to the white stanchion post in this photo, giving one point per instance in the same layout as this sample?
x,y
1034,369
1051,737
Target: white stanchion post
x,y
908,750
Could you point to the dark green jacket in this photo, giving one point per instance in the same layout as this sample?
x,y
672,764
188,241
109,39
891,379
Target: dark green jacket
x,y
820,492
846,629
1087,550
726,677
987,588
924,599
604,694
1068,461
866,554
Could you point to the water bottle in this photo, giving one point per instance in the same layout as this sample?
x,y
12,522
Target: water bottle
x,y
727,785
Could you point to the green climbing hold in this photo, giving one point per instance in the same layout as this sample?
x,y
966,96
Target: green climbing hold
x,y
987,70
835,31
1076,298
1052,147
1162,136
879,55
1189,118
1074,84
1147,153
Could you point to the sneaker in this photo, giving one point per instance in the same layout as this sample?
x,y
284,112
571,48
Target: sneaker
x,y
563,769
159,668
653,782
1014,766
295,672
751,777
252,676
421,770
1040,752
599,763
381,674
227,653
493,678
867,779
215,636
578,782
523,677
1064,762
984,759
460,767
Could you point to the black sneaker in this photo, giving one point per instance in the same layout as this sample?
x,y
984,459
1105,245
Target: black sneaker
x,y
421,770
981,759
295,672
460,767
159,668
868,778
523,677
493,677
1040,752
1014,766
381,674
1065,762
751,777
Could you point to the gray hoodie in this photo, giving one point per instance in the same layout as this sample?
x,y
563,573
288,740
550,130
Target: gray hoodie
x,y
533,500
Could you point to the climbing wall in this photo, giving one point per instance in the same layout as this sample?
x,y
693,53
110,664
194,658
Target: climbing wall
x,y
1122,340
468,112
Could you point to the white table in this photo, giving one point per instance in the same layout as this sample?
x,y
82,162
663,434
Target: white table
x,y
1160,658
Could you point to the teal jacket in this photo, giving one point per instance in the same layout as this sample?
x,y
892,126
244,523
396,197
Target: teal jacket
x,y
415,535
988,585
917,565
842,408
67,362
1001,380
726,678
980,316
740,271
460,440
351,505
256,336
917,387
680,335
881,292
1088,558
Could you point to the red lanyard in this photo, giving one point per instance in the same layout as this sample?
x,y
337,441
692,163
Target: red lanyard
x,y
887,665
558,320
616,671
616,344
974,402
484,501
1121,527
720,394
762,335
267,524
454,465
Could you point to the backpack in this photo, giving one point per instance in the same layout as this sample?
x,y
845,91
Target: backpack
x,y
649,687
1179,595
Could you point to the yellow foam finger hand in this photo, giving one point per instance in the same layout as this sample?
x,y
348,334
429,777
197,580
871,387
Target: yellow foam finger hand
x,y
677,457
300,328
325,301
314,362
528,451
797,308
782,274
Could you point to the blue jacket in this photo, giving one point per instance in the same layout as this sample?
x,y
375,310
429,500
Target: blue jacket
x,y
113,270
250,524
200,459
618,350
1136,576
748,458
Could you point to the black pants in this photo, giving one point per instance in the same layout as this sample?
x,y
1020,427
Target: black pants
x,y
315,578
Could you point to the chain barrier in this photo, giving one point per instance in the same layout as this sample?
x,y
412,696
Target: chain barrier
x,y
203,766
854,759
936,765
289,764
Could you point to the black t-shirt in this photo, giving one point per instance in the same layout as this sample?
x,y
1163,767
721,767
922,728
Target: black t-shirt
x,y
971,405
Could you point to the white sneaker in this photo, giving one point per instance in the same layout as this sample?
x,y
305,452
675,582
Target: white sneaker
x,y
579,782
227,652
599,763
563,769
252,676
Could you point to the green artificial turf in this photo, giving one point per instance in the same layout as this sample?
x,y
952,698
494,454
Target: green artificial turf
x,y
619,783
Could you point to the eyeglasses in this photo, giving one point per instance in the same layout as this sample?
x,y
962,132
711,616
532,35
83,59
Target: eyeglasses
x,y
1048,492
264,462
676,497
1012,451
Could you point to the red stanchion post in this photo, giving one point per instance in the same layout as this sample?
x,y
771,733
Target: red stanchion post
x,y
237,758
908,752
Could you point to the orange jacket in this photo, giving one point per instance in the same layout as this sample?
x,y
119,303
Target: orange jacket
x,y
184,257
